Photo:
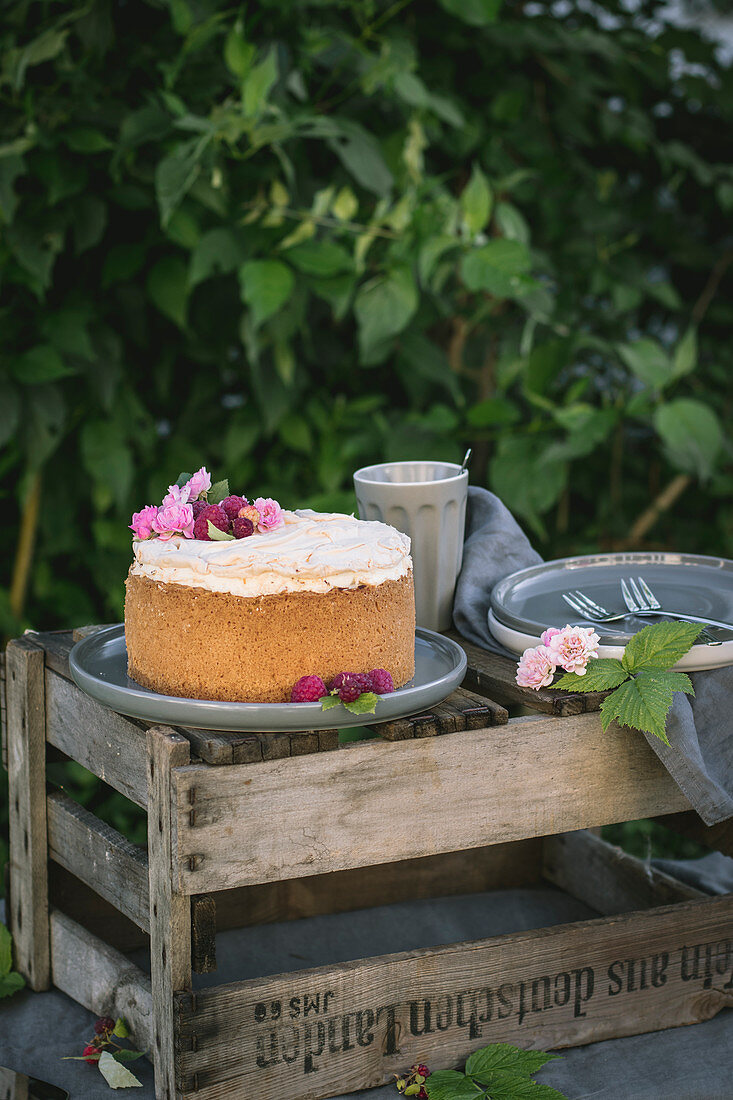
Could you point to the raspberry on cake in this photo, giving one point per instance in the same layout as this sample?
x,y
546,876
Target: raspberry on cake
x,y
241,619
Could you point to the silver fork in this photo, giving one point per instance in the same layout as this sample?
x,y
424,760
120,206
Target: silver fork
x,y
639,597
593,611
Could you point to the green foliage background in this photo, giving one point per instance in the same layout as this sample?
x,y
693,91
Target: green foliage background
x,y
289,238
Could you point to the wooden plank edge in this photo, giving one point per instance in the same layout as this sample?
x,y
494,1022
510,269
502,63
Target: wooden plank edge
x,y
608,879
226,1034
100,978
100,856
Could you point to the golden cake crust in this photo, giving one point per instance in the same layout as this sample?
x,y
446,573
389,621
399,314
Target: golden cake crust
x,y
192,642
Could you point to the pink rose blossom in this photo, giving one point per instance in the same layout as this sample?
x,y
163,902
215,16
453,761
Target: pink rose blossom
x,y
536,668
199,483
175,518
573,646
142,522
177,494
271,514
549,633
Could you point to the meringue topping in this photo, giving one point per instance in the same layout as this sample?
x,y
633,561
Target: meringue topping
x,y
311,552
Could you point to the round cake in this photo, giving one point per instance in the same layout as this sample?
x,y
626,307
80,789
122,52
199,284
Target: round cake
x,y
245,619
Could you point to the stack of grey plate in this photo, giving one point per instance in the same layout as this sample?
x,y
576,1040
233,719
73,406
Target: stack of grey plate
x,y
529,601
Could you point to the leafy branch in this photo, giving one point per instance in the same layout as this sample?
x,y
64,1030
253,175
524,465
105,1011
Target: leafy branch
x,y
496,1072
641,683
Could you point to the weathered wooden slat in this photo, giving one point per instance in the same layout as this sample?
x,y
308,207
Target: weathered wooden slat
x,y
607,878
26,742
56,647
501,866
490,674
548,988
100,978
3,716
73,897
216,747
532,777
203,933
110,746
14,1086
461,710
719,837
170,911
100,856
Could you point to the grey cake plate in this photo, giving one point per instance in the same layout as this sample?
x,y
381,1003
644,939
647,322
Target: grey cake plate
x,y
99,667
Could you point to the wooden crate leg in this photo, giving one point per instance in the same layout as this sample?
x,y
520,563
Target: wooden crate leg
x,y
26,741
170,912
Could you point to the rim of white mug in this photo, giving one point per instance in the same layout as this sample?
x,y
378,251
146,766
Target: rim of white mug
x,y
460,472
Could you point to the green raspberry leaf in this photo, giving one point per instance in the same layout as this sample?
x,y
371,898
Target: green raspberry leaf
x,y
128,1055
448,1084
216,535
659,646
601,674
120,1028
329,701
182,479
511,1086
115,1074
365,704
10,983
6,950
502,1058
643,701
218,492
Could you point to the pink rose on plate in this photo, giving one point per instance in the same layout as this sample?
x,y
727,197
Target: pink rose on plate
x,y
573,646
271,514
549,633
175,518
142,521
536,668
198,483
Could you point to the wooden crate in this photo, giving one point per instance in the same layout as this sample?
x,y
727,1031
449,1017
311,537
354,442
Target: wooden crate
x,y
245,829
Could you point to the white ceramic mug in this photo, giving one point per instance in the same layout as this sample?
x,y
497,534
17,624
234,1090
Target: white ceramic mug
x,y
427,501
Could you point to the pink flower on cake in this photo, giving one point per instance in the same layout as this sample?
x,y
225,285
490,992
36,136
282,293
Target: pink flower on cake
x,y
142,521
177,494
199,483
536,668
175,518
573,646
271,514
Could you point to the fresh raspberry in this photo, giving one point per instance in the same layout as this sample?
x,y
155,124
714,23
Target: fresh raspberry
x,y
90,1050
232,504
382,684
217,516
350,685
198,507
104,1023
422,1095
251,513
242,528
309,689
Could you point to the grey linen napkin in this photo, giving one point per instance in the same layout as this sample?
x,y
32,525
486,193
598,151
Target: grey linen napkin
x,y
700,754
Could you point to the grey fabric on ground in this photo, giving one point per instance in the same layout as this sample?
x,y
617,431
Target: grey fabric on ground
x,y
712,873
690,1063
700,754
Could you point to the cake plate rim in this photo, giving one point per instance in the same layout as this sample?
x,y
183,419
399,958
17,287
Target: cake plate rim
x,y
95,663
